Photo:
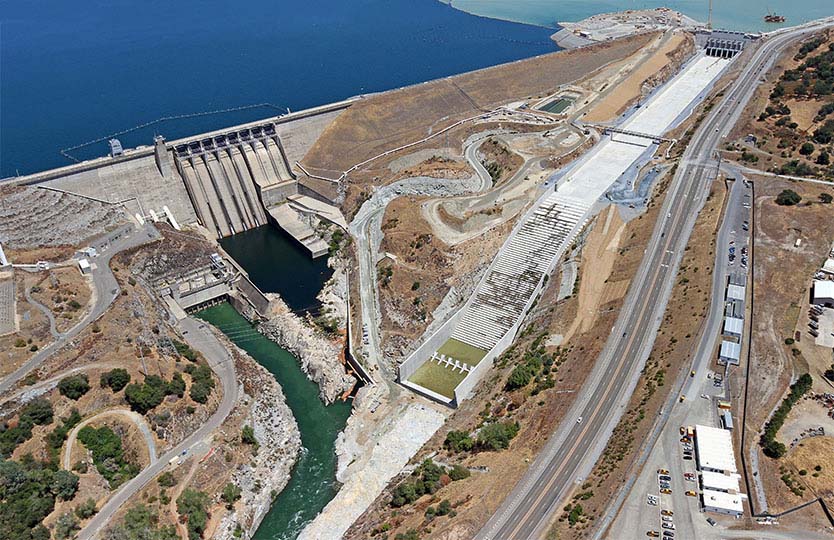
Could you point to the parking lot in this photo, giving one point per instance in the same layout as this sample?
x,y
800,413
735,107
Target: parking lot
x,y
665,500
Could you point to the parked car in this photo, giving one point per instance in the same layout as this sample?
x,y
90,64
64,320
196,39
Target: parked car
x,y
667,512
666,491
690,493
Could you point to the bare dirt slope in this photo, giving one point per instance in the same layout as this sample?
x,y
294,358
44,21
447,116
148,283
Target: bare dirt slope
x,y
393,118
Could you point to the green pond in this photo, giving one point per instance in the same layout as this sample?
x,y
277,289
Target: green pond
x,y
313,482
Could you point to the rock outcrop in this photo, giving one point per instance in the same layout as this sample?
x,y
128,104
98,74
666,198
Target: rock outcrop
x,y
320,356
268,472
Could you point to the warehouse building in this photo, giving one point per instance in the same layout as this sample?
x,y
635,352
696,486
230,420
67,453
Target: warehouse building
x,y
824,293
714,450
733,326
730,352
723,503
728,483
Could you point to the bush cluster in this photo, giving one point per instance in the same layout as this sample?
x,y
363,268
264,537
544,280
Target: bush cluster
x,y
142,397
37,412
201,382
74,386
426,479
770,446
193,505
115,379
108,455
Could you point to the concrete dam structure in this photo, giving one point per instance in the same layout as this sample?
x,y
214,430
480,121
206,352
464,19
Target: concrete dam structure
x,y
230,180
232,177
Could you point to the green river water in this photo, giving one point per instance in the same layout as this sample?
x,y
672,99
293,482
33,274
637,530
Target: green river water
x,y
313,481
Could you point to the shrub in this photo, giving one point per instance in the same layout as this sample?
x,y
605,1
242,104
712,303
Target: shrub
x,y
806,149
202,383
497,436
115,379
141,522
823,159
458,472
788,197
247,436
86,509
193,505
184,350
458,441
37,412
166,479
66,526
231,493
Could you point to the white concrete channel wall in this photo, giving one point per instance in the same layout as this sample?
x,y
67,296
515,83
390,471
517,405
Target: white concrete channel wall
x,y
491,318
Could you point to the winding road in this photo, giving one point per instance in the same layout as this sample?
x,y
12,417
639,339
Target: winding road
x,y
574,447
105,290
200,337
137,419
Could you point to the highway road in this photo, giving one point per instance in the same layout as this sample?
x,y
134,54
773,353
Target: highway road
x,y
574,447
200,337
105,290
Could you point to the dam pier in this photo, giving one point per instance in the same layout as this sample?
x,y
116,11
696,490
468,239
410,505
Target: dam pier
x,y
229,181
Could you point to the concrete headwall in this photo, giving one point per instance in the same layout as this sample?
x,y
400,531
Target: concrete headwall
x,y
424,351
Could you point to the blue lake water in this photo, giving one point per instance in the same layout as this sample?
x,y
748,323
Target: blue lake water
x,y
745,15
76,71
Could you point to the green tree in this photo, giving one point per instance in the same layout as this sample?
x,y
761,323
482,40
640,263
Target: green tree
x,y
497,436
788,197
231,494
177,385
66,526
64,485
86,509
193,504
458,441
459,472
247,436
823,158
806,149
115,379
167,479
74,386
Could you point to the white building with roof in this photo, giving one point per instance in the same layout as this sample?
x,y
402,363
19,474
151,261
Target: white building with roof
x,y
728,483
733,326
824,292
714,450
735,292
730,352
723,503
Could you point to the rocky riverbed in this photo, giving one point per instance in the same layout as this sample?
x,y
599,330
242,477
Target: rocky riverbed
x,y
268,472
320,355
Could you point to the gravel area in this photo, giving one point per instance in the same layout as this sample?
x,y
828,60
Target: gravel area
x,y
31,218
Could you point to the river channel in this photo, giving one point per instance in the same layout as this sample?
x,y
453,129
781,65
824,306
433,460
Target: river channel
x,y
276,264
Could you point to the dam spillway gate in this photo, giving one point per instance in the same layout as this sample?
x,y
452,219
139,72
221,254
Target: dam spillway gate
x,y
232,177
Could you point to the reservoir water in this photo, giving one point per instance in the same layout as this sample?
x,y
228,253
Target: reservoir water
x,y
77,71
743,15
313,481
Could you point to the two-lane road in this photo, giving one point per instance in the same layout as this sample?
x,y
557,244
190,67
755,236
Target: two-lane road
x,y
575,446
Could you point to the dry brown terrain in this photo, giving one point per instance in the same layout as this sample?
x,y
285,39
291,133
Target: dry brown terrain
x,y
16,348
782,281
65,292
777,138
642,79
812,463
394,118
